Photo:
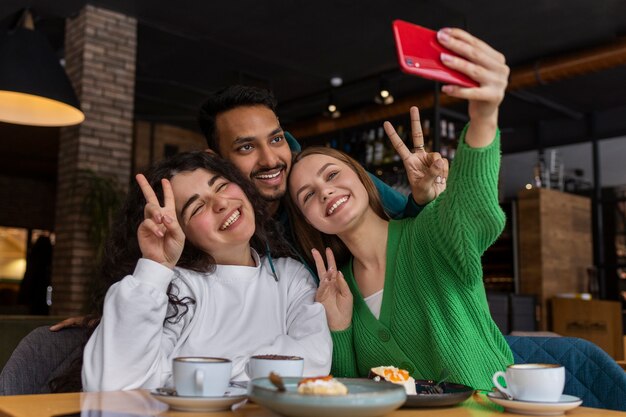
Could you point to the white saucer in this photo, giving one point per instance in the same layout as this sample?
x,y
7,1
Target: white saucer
x,y
201,404
566,402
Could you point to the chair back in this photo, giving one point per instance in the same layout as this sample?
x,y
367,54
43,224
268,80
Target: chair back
x,y
590,373
39,358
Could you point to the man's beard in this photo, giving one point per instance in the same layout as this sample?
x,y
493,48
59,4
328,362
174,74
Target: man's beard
x,y
278,194
275,197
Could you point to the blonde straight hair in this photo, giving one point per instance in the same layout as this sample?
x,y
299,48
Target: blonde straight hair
x,y
310,238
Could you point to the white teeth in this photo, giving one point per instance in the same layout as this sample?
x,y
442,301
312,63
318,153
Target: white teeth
x,y
337,204
268,176
232,219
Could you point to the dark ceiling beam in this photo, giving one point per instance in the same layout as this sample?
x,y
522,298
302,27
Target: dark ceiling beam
x,y
539,73
533,98
569,65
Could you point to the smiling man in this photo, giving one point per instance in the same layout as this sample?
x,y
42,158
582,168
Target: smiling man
x,y
251,138
240,124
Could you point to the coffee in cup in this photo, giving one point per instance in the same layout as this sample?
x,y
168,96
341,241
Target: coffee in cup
x,y
532,381
201,376
260,366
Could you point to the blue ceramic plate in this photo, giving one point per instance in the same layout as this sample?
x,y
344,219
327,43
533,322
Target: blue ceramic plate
x,y
365,398
452,394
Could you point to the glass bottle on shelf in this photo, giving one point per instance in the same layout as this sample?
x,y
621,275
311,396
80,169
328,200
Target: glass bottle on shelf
x,y
451,141
428,141
443,135
351,147
379,147
538,171
358,146
369,146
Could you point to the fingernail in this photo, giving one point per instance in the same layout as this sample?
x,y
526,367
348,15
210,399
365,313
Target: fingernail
x,y
439,163
160,233
447,89
438,179
447,58
443,180
444,34
167,219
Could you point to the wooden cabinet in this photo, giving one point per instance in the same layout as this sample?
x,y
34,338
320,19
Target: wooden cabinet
x,y
598,321
555,245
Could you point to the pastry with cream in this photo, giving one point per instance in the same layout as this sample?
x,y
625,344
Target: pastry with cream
x,y
325,385
394,375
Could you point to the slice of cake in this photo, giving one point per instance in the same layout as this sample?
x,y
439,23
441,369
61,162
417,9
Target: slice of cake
x,y
396,376
323,385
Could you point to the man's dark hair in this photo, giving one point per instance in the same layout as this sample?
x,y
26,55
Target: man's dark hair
x,y
226,99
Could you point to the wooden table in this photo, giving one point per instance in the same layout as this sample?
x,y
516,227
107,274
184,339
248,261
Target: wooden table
x,y
140,402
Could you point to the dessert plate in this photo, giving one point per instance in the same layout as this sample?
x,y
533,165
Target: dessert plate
x,y
365,398
535,408
452,394
200,404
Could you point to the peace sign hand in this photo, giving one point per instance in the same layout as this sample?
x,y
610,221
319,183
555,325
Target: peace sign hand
x,y
333,292
160,237
426,172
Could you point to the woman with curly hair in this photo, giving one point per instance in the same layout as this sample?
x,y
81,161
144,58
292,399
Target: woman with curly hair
x,y
197,279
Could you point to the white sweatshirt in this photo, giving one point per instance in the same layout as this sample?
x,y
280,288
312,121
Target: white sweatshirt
x,y
239,312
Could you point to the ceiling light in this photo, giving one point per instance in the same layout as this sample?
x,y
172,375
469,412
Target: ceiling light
x,y
383,96
332,109
336,81
34,88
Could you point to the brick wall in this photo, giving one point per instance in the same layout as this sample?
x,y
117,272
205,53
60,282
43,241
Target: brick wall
x,y
100,60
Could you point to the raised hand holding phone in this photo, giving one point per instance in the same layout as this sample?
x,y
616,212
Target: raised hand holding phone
x,y
419,53
470,68
488,67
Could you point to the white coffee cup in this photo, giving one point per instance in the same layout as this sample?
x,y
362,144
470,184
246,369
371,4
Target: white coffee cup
x,y
260,366
201,376
539,382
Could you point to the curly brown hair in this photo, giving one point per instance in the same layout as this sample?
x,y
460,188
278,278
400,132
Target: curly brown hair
x,y
121,251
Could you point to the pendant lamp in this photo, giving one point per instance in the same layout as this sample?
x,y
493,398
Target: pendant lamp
x,y
384,95
34,88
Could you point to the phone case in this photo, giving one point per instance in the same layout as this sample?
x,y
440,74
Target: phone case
x,y
419,54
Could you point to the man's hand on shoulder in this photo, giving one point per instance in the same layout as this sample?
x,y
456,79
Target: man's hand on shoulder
x,y
79,321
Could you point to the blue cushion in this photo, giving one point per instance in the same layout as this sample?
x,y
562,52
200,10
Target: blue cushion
x,y
590,373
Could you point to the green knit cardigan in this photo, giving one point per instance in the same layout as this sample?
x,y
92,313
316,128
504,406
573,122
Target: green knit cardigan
x,y
434,312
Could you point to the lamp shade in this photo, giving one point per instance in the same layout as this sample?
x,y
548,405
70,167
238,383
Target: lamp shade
x,y
34,88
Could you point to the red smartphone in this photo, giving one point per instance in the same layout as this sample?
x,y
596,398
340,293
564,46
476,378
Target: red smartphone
x,y
419,54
